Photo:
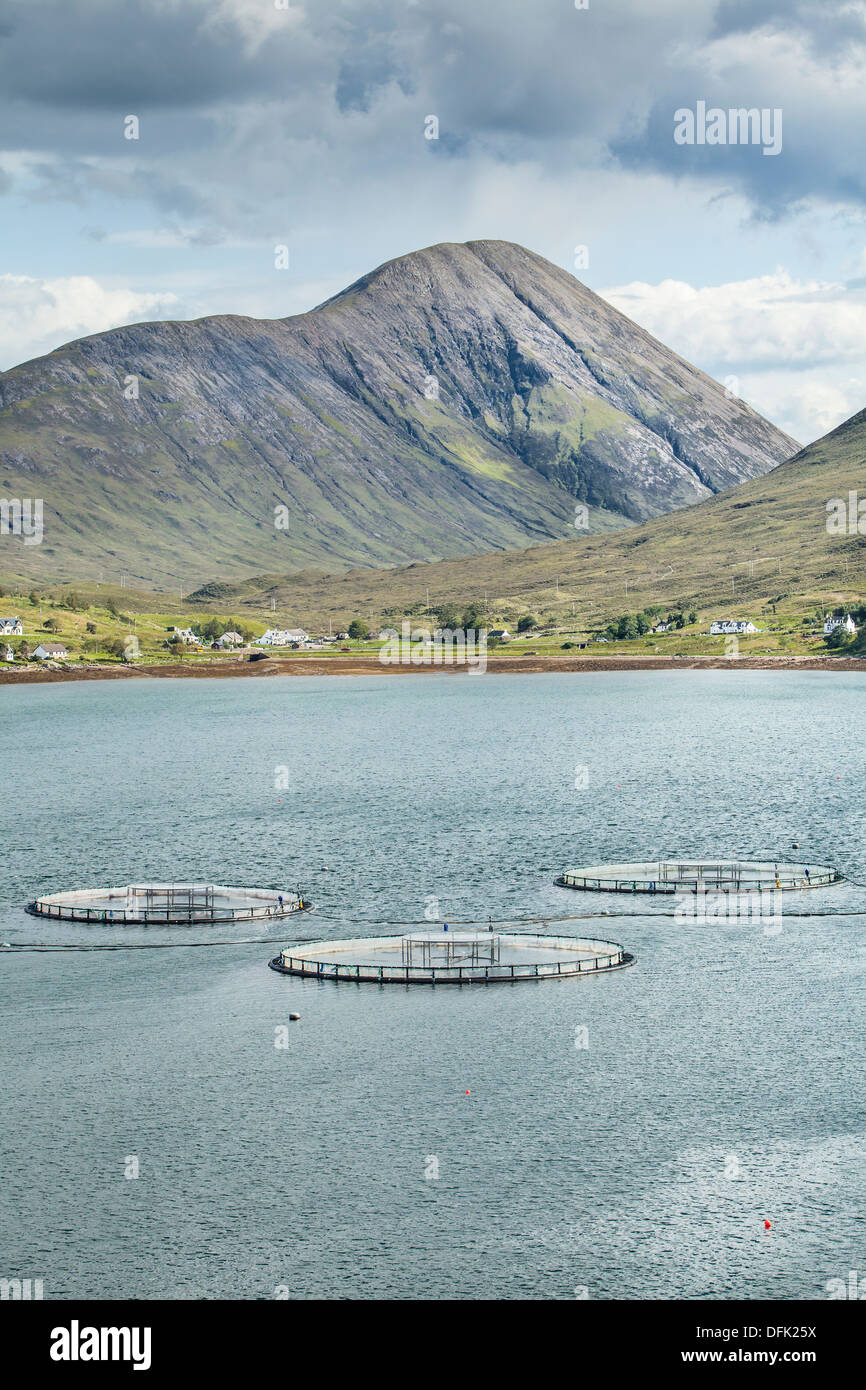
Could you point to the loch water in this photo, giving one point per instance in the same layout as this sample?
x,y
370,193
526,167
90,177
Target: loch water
x,y
721,1083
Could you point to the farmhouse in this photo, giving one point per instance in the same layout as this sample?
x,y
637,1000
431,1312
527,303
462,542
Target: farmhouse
x,y
11,627
282,637
727,626
837,621
50,651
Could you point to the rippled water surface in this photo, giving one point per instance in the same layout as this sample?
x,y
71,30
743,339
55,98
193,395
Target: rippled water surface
x,y
722,1084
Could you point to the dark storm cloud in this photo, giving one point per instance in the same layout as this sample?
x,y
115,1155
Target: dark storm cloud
x,y
242,104
100,55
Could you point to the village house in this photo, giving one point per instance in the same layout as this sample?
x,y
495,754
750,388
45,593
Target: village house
x,y
51,651
662,627
6,653
11,627
728,627
837,621
186,634
502,633
229,639
283,637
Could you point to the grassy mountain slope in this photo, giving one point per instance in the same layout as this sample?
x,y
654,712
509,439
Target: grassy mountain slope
x,y
456,400
764,541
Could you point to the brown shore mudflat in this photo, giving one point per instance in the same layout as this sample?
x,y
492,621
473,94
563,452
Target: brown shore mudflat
x,y
371,666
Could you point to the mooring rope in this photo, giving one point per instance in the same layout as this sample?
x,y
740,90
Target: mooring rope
x,y
144,945
45,947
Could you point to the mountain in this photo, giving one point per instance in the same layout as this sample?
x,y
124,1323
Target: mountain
x,y
459,399
761,544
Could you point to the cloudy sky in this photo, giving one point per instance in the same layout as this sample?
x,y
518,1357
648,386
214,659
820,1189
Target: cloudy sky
x,y
265,123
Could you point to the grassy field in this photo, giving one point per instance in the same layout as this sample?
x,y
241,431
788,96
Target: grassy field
x,y
93,633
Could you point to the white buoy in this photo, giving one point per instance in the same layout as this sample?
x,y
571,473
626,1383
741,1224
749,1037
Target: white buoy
x,y
293,1018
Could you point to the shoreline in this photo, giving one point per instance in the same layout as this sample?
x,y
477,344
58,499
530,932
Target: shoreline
x,y
370,666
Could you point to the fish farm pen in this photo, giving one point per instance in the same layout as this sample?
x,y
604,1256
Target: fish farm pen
x,y
430,958
149,904
698,875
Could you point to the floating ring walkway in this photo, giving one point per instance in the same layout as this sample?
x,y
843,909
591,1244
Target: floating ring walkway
x,y
177,904
699,875
460,958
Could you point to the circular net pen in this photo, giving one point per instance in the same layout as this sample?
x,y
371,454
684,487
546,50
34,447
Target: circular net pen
x,y
700,875
432,958
177,904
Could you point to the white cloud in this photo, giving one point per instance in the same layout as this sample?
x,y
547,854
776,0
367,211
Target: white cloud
x,y
806,404
797,346
37,315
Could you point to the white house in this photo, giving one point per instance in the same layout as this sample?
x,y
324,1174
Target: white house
x,y
11,627
282,637
230,639
662,627
6,653
832,624
185,634
727,626
502,633
50,651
